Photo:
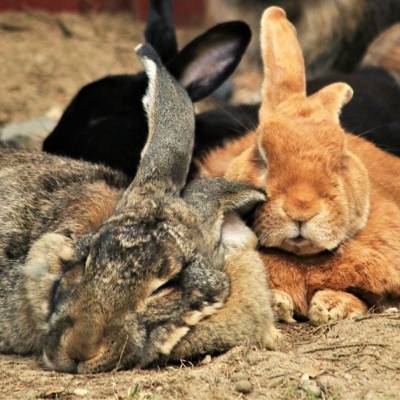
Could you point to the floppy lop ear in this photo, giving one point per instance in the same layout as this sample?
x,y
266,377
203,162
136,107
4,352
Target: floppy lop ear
x,y
215,199
333,97
284,71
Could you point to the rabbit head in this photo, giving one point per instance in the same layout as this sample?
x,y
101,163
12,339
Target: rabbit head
x,y
155,267
105,122
317,190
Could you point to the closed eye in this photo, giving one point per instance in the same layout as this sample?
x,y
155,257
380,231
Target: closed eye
x,y
167,287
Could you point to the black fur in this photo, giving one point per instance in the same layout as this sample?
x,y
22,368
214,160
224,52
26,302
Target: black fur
x,y
160,29
105,122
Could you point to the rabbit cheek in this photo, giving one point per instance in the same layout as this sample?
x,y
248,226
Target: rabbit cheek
x,y
328,229
271,224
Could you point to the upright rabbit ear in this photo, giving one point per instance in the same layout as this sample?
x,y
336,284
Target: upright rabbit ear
x,y
204,64
166,156
284,71
333,97
160,29
214,198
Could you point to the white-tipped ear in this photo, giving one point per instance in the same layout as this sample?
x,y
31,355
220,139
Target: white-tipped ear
x,y
150,61
334,97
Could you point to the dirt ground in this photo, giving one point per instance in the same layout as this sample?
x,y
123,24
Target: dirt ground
x,y
44,62
351,360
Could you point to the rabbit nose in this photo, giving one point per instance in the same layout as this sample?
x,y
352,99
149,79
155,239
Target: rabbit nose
x,y
59,362
301,211
84,343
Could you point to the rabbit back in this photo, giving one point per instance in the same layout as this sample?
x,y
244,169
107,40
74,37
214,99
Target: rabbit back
x,y
39,194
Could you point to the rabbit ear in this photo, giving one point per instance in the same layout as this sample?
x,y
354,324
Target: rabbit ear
x,y
284,71
214,198
168,151
204,64
334,97
160,29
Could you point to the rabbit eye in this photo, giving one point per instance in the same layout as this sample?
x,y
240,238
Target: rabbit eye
x,y
258,158
167,287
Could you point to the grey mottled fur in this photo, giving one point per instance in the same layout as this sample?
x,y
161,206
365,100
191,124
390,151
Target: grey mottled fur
x,y
99,277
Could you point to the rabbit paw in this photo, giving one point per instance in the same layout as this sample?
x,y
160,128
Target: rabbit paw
x,y
48,254
331,305
272,338
282,306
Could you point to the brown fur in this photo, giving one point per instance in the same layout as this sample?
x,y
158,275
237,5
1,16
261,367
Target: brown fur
x,y
244,317
332,220
95,205
97,275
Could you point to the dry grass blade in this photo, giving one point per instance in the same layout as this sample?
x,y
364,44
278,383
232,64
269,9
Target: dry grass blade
x,y
344,346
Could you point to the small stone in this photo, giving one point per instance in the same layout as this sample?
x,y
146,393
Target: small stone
x,y
206,360
244,387
310,386
327,382
80,392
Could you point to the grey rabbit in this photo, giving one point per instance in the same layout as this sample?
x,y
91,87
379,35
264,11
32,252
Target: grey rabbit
x,y
97,274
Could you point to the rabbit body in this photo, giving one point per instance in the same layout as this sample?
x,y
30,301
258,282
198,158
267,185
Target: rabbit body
x,y
105,121
97,274
330,230
40,194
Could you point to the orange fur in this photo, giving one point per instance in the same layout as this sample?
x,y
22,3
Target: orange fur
x,y
332,218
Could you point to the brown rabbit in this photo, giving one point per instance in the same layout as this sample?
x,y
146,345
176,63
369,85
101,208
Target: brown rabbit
x,y
330,229
97,275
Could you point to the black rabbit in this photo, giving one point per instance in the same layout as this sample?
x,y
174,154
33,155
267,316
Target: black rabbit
x,y
105,122
111,108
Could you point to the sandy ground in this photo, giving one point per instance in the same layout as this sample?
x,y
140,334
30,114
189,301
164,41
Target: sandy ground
x,y
351,360
44,62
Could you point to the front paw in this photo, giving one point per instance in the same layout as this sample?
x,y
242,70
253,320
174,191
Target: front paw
x,y
48,255
331,305
282,306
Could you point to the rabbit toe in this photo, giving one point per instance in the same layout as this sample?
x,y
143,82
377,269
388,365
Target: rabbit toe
x,y
330,306
283,306
272,338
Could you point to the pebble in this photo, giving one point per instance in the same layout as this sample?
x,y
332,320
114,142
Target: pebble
x,y
206,360
244,387
80,392
310,386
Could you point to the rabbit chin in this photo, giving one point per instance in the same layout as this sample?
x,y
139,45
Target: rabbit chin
x,y
304,247
314,242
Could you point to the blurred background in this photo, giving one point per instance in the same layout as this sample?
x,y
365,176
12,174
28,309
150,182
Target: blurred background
x,y
50,48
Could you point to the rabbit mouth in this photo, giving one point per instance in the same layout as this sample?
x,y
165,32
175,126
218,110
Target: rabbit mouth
x,y
99,363
301,246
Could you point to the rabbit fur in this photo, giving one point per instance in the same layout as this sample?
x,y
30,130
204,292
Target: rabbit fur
x,y
105,121
329,231
111,107
95,276
334,35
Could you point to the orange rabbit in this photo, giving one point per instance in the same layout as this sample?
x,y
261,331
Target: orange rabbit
x,y
329,232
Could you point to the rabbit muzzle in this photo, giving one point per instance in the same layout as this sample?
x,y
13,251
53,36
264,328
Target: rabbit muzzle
x,y
306,232
71,344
